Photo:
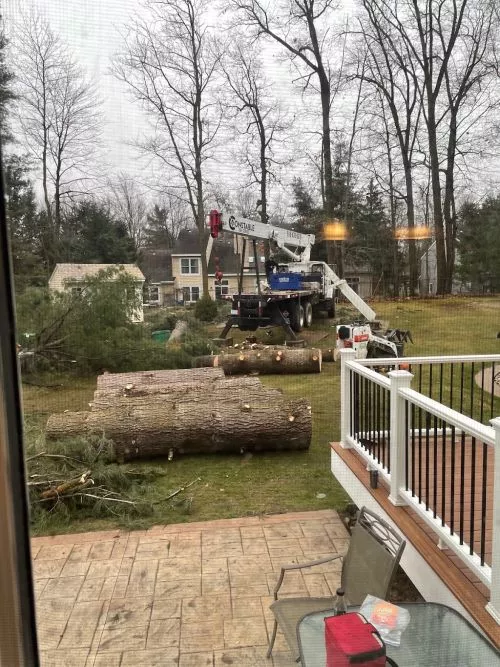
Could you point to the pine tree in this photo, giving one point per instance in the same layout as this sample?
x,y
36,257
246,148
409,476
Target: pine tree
x,y
158,233
479,244
372,241
24,224
93,235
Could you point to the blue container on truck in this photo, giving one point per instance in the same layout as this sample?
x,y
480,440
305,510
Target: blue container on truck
x,y
285,281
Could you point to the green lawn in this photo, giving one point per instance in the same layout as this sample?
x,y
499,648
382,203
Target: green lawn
x,y
232,486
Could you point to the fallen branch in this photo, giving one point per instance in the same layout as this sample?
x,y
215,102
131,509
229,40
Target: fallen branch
x,y
63,489
175,493
106,498
54,456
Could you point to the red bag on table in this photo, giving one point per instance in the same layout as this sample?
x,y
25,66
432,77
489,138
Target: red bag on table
x,y
350,639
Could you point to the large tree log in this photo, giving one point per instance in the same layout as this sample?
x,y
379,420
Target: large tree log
x,y
266,361
138,431
66,425
211,387
155,378
204,393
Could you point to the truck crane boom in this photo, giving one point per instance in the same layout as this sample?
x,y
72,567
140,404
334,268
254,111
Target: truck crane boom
x,y
296,245
282,236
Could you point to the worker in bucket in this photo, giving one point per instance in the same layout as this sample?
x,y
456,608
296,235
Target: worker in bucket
x,y
270,266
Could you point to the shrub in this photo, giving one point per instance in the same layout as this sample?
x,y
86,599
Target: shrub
x,y
223,311
196,346
206,309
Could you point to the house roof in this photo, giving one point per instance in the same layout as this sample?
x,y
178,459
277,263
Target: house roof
x,y
78,272
224,256
156,265
222,249
187,242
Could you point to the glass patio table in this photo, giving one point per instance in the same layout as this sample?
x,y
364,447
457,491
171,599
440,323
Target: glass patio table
x,y
437,635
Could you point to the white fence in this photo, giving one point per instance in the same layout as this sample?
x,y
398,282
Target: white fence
x,y
416,442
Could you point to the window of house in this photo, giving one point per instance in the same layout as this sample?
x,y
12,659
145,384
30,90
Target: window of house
x,y
76,290
189,265
353,283
154,293
190,294
221,289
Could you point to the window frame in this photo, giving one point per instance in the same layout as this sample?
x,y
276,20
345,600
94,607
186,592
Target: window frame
x,y
221,288
192,263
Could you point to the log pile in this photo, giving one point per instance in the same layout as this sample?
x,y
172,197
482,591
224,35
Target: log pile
x,y
264,360
161,413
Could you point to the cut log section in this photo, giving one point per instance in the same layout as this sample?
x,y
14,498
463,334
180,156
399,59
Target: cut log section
x,y
167,400
144,431
155,378
329,355
265,361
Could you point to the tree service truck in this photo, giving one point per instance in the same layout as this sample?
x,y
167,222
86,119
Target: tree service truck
x,y
294,292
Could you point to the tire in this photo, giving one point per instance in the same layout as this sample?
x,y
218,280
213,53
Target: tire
x,y
331,310
308,314
296,317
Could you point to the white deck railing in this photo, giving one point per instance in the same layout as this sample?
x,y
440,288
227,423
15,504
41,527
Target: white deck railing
x,y
361,388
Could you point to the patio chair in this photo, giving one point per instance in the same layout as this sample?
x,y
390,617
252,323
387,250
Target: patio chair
x,y
368,568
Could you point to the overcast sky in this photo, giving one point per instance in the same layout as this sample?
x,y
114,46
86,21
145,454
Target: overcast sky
x,y
91,29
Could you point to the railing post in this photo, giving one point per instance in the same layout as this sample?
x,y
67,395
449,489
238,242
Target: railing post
x,y
399,380
493,606
346,354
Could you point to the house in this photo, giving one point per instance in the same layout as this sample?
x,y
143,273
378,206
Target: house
x,y
156,265
225,253
360,279
428,271
72,278
428,275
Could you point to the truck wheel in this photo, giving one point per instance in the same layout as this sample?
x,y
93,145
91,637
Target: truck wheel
x,y
308,314
296,317
331,311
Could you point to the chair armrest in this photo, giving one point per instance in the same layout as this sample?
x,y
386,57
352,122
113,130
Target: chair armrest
x,y
300,566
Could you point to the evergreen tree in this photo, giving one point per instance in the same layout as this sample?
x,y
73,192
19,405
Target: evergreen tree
x,y
24,223
371,241
92,235
158,233
310,218
479,244
22,217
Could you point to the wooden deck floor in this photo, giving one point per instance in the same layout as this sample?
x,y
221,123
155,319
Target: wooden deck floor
x,y
460,580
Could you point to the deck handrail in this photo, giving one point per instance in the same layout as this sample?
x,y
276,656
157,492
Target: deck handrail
x,y
393,447
453,358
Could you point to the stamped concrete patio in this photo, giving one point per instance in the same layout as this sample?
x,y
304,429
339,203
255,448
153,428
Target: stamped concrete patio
x,y
190,595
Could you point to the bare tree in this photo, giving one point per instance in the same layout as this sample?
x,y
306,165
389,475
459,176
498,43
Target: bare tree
x,y
58,111
391,71
301,28
448,49
168,217
130,206
257,114
170,65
